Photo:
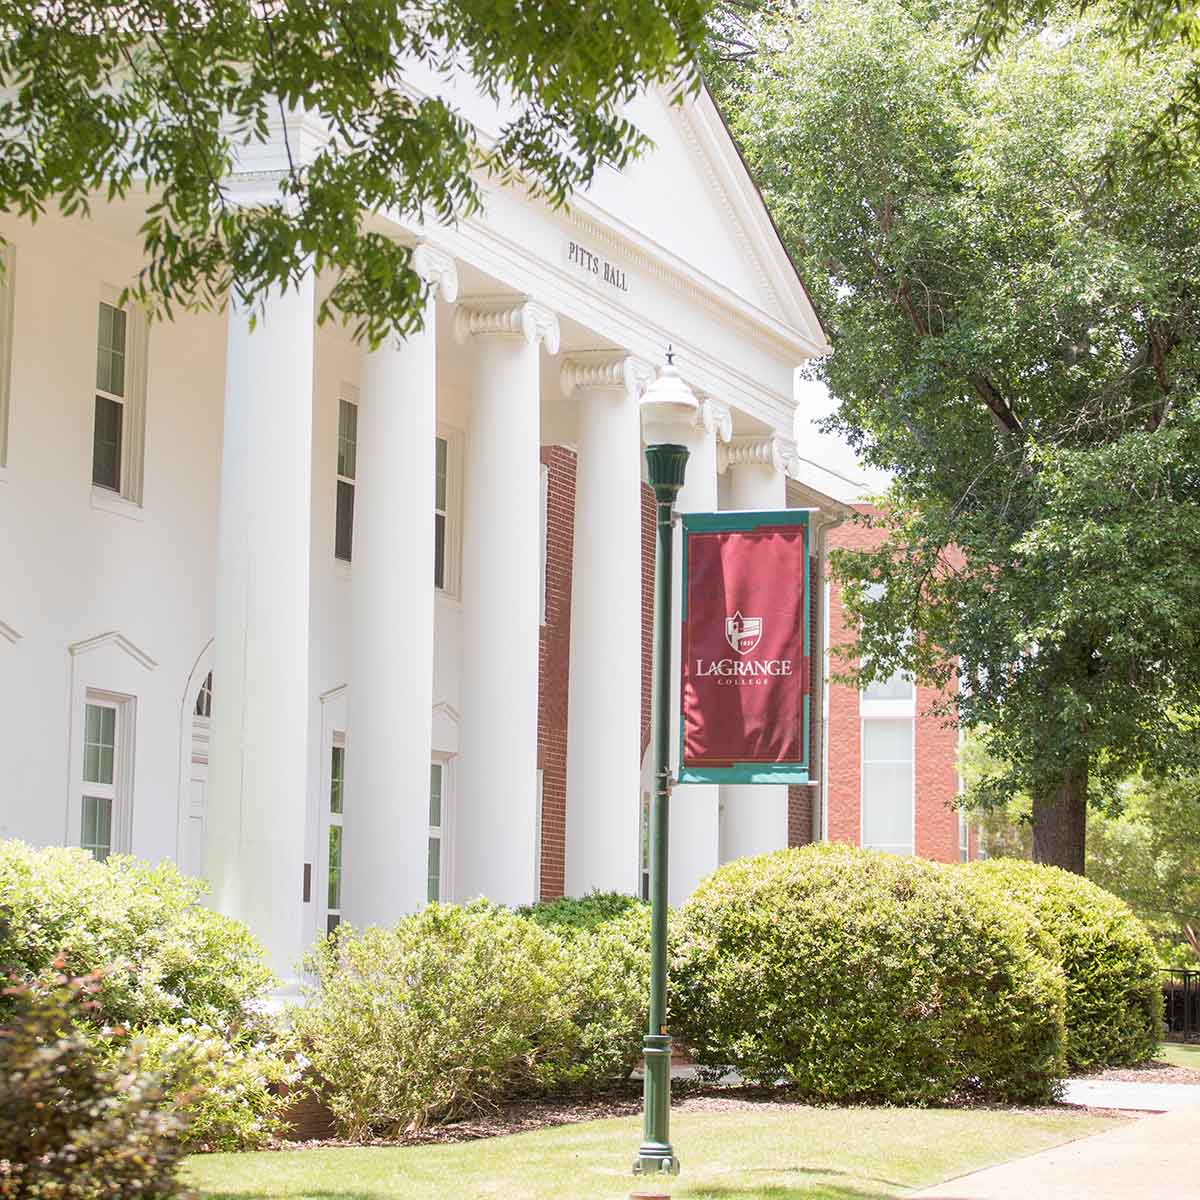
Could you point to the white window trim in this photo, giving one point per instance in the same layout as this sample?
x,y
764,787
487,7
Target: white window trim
x,y
537,836
121,789
862,778
349,393
328,818
128,501
446,891
452,576
8,256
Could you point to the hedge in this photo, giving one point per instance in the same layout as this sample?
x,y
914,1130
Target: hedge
x,y
859,977
1114,999
182,986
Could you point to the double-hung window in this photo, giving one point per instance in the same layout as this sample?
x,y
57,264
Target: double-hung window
x,y
441,508
347,462
337,779
437,817
119,404
105,785
108,428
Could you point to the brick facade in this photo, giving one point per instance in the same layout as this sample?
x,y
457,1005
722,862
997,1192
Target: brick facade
x,y
935,742
554,660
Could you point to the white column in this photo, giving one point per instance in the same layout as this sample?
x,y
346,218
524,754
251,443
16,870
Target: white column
x,y
754,816
695,819
495,826
386,823
259,765
605,692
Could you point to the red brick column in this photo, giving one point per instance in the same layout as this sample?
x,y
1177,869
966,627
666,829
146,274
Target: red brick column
x,y
554,659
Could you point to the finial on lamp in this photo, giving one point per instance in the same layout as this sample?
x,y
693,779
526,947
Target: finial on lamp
x,y
670,355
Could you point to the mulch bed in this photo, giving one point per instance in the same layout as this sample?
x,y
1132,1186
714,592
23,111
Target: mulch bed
x,y
1151,1072
525,1116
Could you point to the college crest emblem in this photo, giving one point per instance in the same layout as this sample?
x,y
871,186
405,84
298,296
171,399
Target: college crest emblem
x,y
743,633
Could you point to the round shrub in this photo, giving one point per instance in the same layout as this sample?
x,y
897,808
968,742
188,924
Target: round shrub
x,y
445,1013
861,977
1114,1001
610,968
163,956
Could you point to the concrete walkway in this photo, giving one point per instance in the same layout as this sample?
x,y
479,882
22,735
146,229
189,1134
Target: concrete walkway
x,y
1129,1095
1152,1158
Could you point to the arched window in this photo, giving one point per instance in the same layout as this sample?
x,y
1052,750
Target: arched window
x,y
204,699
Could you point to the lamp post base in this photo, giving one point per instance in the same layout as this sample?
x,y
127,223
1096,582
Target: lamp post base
x,y
655,1154
655,1160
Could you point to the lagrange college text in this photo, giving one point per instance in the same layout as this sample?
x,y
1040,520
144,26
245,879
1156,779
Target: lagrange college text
x,y
732,672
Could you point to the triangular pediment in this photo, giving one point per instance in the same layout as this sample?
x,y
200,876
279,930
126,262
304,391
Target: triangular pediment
x,y
692,197
112,638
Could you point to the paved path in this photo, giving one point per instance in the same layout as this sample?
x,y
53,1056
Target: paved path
x,y
1136,1097
1152,1158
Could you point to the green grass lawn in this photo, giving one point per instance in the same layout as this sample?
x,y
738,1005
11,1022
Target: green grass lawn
x,y
747,1154
1180,1054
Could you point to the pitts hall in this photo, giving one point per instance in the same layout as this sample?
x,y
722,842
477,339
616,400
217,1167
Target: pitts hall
x,y
345,631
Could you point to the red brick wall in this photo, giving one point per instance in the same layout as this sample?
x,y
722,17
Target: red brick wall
x,y
799,815
935,742
554,657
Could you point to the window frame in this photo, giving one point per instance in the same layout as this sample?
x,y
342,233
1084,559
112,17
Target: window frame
x,y
452,541
443,833
864,721
119,791
347,395
8,257
332,820
128,496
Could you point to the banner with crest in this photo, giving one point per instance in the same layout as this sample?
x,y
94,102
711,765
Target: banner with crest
x,y
744,693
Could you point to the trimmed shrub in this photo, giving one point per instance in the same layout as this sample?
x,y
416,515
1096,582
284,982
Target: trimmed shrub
x,y
585,912
185,984
442,1015
1114,999
72,1127
860,977
610,965
230,1096
163,956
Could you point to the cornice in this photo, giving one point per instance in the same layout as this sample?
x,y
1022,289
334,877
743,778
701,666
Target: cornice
x,y
490,317
613,370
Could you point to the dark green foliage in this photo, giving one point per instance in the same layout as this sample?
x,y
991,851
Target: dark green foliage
x,y
1114,998
1011,303
102,99
860,977
71,1126
585,912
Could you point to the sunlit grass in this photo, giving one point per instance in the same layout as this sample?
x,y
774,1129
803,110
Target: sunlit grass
x,y
767,1153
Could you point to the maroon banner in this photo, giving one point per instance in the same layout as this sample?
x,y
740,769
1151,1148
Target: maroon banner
x,y
744,646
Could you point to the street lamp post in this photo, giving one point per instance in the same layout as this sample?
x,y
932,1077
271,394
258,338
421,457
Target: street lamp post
x,y
668,409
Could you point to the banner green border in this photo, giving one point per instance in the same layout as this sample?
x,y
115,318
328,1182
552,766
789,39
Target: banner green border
x,y
796,772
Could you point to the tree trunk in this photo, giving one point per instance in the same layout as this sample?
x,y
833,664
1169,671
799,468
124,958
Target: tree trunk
x,y
1060,821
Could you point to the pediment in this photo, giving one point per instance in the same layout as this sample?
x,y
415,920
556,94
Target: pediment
x,y
116,639
692,197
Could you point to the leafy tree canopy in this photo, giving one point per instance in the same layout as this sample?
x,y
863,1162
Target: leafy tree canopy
x,y
1171,134
102,98
1013,309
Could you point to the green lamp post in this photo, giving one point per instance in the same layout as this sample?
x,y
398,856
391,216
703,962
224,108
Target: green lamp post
x,y
668,411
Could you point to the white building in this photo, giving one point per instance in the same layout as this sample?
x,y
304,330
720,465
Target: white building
x,y
272,606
